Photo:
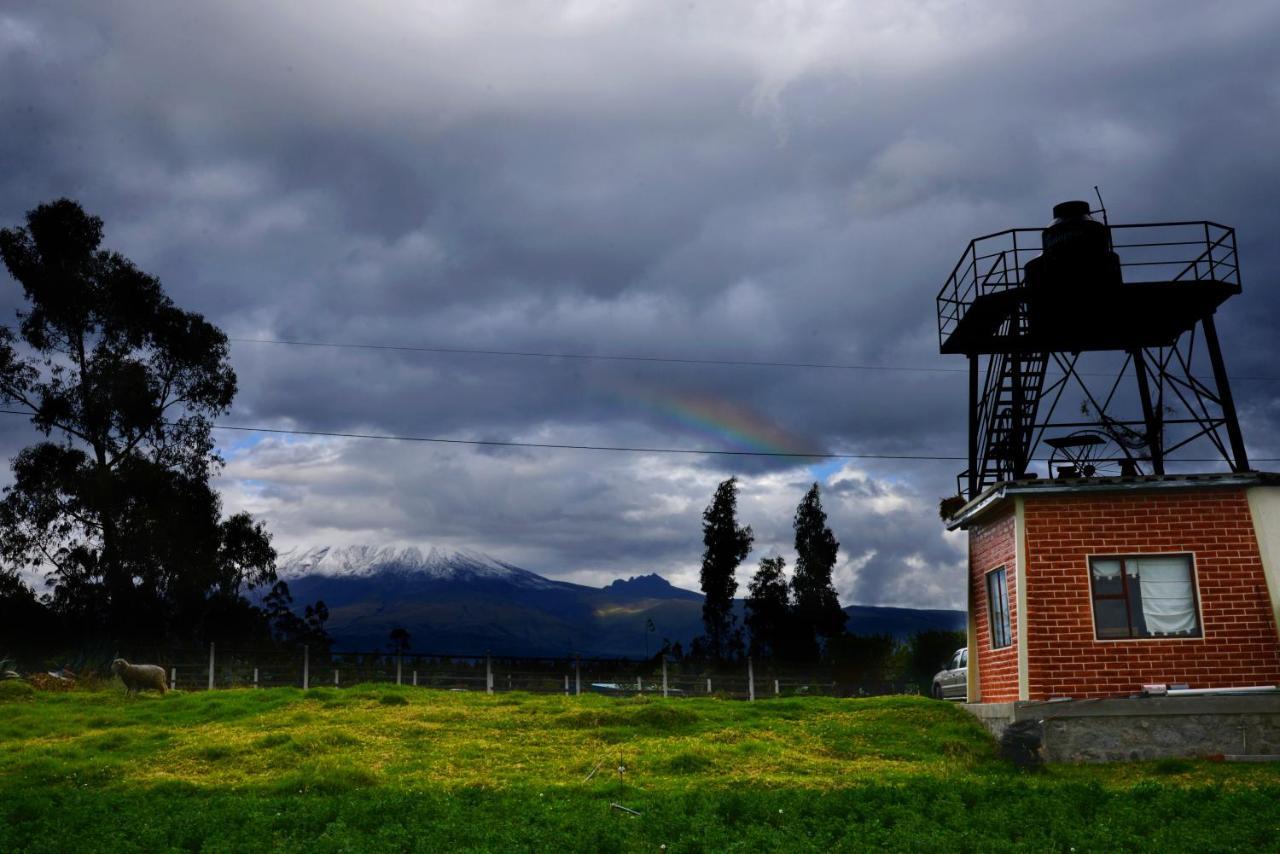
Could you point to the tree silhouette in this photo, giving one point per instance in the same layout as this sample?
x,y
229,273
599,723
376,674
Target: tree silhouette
x,y
817,608
291,631
116,502
726,545
927,652
399,639
768,609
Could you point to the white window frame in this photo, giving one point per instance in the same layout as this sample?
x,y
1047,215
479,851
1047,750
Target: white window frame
x,y
1008,615
1195,583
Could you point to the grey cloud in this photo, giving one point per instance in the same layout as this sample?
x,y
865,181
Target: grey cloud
x,y
772,182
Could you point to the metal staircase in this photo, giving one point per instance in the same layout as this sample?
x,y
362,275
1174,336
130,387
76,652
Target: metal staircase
x,y
1007,411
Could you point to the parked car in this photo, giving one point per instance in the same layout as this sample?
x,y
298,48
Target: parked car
x,y
952,681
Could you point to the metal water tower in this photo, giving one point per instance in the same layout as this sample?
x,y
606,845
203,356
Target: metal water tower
x,y
1041,304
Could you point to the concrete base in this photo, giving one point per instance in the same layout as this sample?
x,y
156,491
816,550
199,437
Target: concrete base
x,y
1146,728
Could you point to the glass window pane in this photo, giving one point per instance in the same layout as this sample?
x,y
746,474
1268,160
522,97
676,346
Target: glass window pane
x,y
998,608
1110,618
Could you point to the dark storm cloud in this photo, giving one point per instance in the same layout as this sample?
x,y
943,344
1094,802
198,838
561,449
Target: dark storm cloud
x,y
782,182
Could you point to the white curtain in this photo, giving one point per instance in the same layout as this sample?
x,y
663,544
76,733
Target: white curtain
x,y
1168,598
1106,570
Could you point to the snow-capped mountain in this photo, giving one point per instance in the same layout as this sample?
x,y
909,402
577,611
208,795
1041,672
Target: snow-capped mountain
x,y
461,601
435,564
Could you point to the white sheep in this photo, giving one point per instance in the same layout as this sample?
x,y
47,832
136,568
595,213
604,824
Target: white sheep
x,y
139,677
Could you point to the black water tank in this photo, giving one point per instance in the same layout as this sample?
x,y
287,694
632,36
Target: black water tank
x,y
1073,227
1077,251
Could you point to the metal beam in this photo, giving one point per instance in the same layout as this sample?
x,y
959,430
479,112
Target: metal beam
x,y
973,425
1155,430
1241,461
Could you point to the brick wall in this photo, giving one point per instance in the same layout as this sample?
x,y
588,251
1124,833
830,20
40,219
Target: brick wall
x,y
1240,644
991,546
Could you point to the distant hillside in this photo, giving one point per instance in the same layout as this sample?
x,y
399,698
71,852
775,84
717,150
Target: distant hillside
x,y
902,622
467,602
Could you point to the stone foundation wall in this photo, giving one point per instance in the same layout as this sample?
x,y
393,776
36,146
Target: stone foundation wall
x,y
1148,728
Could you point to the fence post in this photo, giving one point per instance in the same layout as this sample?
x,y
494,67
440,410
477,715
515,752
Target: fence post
x,y
173,678
577,675
415,679
488,674
335,677
399,661
210,665
776,691
306,667
566,684
751,681
708,684
255,677
664,677
640,685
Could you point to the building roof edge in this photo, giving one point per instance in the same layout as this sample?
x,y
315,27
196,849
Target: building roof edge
x,y
996,493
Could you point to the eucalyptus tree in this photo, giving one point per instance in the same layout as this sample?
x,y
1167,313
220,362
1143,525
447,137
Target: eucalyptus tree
x,y
114,502
725,544
817,608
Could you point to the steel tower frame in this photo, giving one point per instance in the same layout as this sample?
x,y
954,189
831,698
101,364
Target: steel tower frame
x,y
1157,315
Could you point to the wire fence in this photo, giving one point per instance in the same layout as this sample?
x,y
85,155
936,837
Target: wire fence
x,y
214,667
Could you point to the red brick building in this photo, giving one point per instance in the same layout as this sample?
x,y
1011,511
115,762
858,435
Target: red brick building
x,y
1089,588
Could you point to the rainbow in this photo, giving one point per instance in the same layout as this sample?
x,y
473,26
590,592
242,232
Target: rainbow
x,y
720,423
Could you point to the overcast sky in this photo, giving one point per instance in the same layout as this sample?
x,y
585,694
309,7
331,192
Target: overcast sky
x,y
746,181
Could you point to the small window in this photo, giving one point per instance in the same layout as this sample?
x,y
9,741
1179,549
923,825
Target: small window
x,y
1140,596
998,608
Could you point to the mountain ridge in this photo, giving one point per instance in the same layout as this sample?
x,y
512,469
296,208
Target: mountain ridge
x,y
463,600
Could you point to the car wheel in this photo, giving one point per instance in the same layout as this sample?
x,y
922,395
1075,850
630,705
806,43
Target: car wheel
x,y
937,691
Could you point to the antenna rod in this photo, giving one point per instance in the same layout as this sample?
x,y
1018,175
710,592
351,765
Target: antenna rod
x,y
1101,205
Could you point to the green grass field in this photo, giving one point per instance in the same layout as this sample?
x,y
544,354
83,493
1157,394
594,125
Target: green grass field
x,y
375,768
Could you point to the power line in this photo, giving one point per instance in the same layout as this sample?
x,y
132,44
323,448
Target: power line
x,y
641,450
675,360
630,449
495,443
567,447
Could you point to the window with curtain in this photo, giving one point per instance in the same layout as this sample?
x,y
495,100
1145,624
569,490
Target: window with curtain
x,y
1143,596
998,608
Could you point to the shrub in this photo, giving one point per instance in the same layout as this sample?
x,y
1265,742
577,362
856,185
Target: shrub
x,y
45,682
15,689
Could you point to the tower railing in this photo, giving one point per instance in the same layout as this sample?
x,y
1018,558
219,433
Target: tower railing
x,y
1190,251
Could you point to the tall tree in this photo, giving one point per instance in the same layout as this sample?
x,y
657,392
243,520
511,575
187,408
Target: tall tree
x,y
123,384
817,608
399,639
768,609
725,546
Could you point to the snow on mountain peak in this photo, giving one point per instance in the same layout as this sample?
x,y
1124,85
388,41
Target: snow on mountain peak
x,y
362,561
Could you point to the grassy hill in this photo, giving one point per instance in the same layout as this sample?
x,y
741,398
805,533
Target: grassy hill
x,y
380,768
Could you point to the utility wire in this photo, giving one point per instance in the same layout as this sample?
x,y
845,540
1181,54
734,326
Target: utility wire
x,y
537,354
645,450
566,447
630,449
555,445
